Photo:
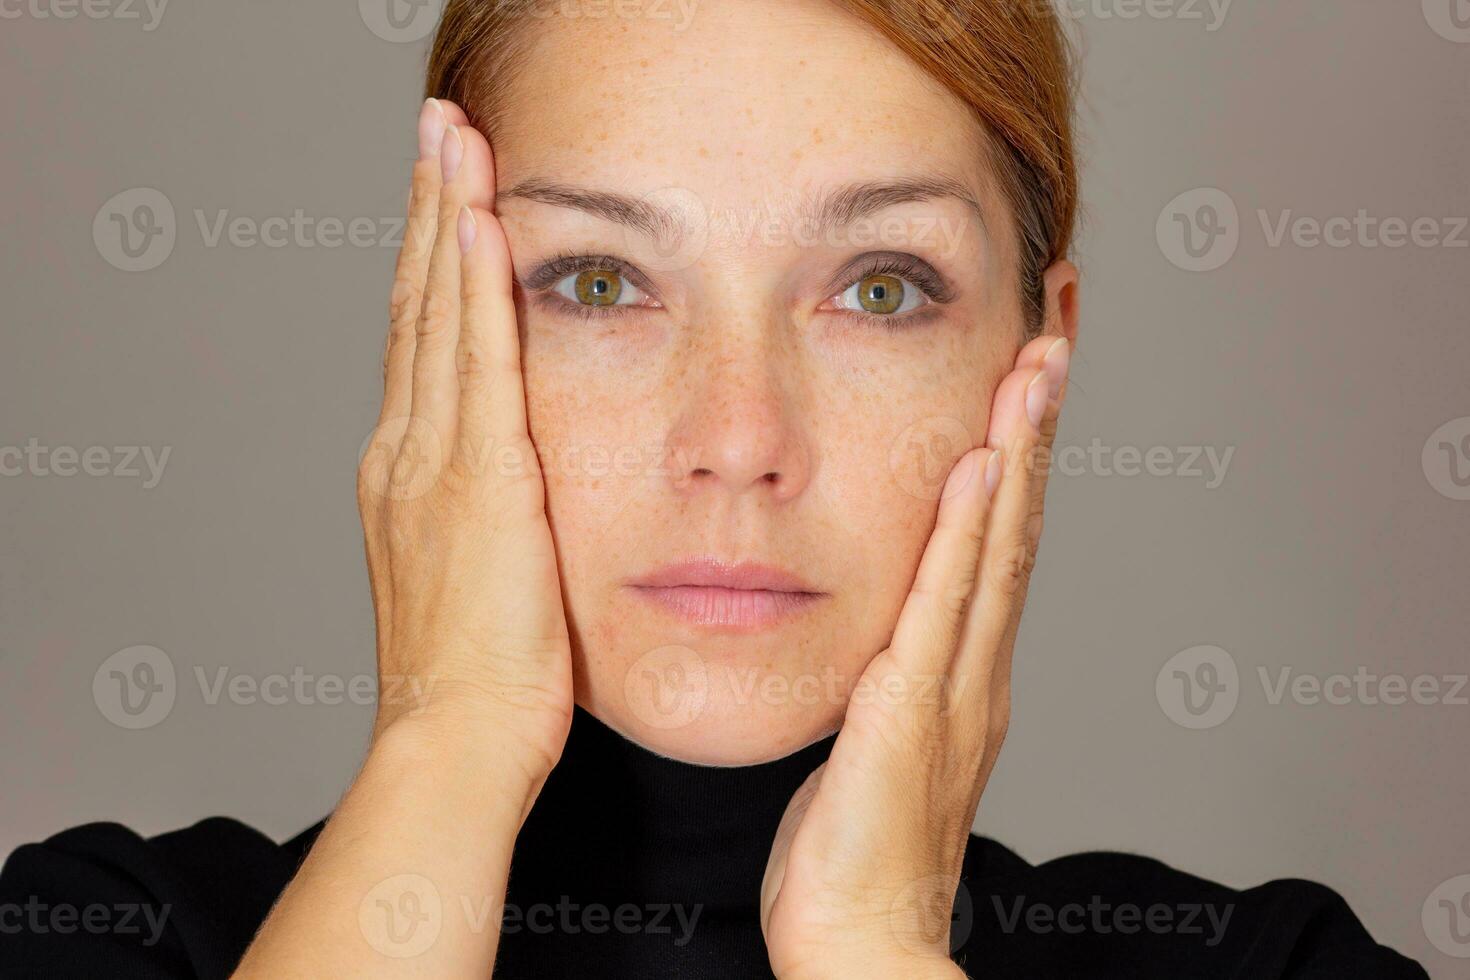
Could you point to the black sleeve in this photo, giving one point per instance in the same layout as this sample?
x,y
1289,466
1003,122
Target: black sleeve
x,y
100,900
1118,915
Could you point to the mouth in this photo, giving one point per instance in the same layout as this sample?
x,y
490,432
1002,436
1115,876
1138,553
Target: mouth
x,y
736,596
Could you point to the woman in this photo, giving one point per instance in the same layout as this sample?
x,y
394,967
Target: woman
x,y
725,358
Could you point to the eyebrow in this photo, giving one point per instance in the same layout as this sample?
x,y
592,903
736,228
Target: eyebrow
x,y
834,208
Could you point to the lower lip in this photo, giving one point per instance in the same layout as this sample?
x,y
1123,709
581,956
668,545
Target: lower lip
x,y
708,605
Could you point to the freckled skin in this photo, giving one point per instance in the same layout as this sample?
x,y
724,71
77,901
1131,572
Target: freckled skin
x,y
739,374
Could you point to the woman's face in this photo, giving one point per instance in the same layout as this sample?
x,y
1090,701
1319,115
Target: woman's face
x,y
767,289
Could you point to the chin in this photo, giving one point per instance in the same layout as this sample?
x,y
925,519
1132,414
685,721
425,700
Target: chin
x,y
707,721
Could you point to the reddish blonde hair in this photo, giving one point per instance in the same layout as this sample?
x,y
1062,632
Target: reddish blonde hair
x,y
1008,60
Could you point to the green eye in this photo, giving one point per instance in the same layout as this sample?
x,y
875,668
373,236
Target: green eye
x,y
598,287
593,286
881,295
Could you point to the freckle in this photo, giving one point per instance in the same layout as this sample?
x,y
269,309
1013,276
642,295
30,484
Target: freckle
x,y
817,135
796,154
703,152
602,137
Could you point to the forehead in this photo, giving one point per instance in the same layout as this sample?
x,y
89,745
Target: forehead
x,y
744,102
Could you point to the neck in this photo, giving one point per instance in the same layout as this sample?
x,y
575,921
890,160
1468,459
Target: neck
x,y
618,823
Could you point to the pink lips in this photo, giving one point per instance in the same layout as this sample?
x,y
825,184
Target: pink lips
x,y
711,592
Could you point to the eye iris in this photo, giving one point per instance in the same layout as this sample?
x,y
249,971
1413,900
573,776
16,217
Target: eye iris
x,y
880,294
599,287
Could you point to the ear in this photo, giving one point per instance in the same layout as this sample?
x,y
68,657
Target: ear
x,y
1061,283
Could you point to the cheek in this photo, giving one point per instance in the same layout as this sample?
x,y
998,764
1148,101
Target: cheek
x,y
888,435
594,455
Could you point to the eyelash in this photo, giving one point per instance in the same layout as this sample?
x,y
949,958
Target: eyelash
x,y
902,266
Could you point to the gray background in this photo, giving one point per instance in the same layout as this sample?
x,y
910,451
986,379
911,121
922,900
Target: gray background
x,y
1328,547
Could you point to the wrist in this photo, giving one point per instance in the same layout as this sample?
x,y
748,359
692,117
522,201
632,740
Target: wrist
x,y
467,757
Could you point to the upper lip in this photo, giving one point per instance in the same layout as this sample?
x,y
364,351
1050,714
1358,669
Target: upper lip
x,y
716,572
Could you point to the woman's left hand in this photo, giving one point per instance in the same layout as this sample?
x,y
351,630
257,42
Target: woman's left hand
x,y
865,867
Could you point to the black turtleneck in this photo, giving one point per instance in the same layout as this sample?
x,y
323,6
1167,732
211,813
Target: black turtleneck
x,y
619,826
636,865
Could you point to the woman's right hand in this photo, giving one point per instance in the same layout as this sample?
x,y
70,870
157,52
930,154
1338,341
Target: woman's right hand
x,y
469,614
472,633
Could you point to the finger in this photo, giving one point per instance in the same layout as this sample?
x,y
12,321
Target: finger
x,y
1009,415
1023,420
927,634
412,269
466,175
492,407
1052,354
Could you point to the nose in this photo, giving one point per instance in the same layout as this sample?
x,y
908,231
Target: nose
x,y
737,426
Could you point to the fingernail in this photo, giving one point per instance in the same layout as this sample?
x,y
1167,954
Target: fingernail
x,y
431,128
1056,360
960,475
992,473
468,230
452,152
1036,399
